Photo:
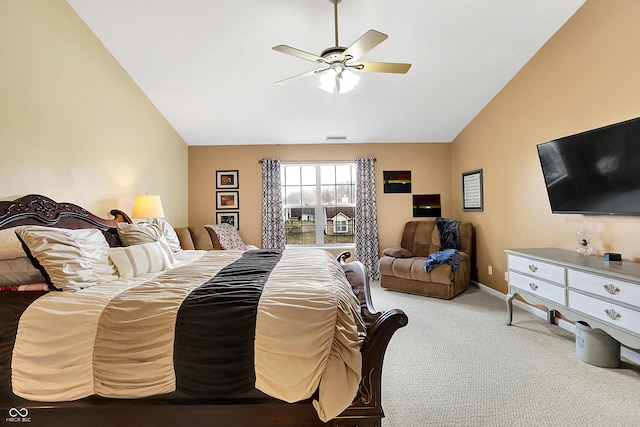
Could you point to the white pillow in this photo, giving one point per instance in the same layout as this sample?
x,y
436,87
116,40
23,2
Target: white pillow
x,y
132,261
169,234
136,234
96,249
69,263
10,246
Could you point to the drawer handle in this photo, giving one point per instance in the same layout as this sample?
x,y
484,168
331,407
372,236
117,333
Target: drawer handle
x,y
612,289
533,286
612,314
533,268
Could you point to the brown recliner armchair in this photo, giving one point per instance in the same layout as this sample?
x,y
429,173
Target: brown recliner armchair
x,y
403,268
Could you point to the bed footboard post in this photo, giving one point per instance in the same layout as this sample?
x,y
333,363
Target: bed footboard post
x,y
366,409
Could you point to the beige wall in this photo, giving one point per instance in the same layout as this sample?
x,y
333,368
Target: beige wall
x,y
430,165
73,125
586,76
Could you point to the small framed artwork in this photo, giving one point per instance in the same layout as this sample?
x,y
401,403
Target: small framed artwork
x,y
397,181
227,179
229,218
426,205
472,193
227,200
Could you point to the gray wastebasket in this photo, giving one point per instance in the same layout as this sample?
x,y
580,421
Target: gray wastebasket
x,y
596,347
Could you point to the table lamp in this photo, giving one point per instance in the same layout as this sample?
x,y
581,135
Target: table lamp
x,y
147,206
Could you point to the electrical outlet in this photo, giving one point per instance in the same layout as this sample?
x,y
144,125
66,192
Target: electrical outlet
x,y
506,276
490,270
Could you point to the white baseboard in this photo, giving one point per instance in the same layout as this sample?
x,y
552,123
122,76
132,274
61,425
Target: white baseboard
x,y
626,352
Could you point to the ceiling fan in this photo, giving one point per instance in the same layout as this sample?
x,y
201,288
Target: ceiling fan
x,y
337,62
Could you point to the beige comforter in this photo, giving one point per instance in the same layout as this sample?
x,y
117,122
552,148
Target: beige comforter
x,y
74,345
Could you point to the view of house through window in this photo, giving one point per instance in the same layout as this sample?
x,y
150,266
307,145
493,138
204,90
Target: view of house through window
x,y
319,203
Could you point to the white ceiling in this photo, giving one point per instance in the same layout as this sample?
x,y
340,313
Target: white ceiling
x,y
208,66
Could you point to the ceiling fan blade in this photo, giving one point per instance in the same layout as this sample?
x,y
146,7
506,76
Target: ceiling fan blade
x,y
301,76
380,67
364,44
299,53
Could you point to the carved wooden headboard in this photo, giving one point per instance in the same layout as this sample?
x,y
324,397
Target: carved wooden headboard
x,y
35,209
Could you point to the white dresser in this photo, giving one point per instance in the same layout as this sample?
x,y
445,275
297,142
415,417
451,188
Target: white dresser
x,y
604,295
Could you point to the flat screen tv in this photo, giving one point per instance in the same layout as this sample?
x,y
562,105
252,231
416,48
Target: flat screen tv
x,y
596,172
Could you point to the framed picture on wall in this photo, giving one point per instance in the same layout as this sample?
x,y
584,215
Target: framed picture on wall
x,y
396,181
227,179
472,193
227,200
229,218
426,205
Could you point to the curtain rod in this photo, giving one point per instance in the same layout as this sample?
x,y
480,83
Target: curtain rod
x,y
317,161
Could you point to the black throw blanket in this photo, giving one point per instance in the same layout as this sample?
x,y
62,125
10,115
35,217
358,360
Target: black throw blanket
x,y
449,235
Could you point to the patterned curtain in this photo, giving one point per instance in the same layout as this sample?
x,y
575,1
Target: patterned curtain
x,y
273,236
367,249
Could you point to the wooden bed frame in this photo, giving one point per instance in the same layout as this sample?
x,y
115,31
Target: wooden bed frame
x,y
365,411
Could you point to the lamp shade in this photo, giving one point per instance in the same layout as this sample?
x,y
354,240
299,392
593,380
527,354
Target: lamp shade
x,y
147,206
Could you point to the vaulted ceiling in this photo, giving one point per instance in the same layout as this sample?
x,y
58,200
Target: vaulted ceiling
x,y
209,68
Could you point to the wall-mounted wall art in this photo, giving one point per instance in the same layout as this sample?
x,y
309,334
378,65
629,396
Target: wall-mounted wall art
x,y
426,205
397,181
472,193
227,200
227,179
229,218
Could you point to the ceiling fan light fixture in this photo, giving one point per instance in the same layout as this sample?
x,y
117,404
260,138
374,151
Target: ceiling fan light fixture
x,y
337,61
338,80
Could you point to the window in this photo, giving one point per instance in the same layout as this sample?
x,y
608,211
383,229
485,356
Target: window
x,y
319,203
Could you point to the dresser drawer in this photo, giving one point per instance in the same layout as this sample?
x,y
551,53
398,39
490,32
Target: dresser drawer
x,y
537,287
608,312
539,269
613,289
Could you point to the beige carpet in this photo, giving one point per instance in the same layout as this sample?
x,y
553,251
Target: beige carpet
x,y
457,364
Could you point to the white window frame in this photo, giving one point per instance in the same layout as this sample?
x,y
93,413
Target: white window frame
x,y
319,207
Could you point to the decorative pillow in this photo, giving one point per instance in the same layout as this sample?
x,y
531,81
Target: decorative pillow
x,y
29,287
397,253
169,234
136,234
10,246
95,248
67,264
229,237
132,261
19,271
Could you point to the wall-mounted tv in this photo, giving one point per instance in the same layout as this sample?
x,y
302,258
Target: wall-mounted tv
x,y
595,172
